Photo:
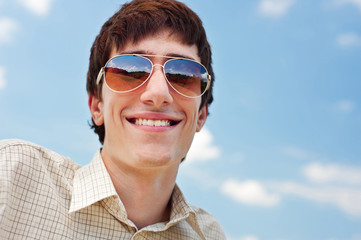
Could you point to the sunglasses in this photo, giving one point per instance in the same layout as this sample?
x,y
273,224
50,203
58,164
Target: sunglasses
x,y
127,72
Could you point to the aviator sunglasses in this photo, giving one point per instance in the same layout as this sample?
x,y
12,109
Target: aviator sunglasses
x,y
127,72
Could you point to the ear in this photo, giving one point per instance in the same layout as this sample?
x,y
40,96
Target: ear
x,y
96,109
202,117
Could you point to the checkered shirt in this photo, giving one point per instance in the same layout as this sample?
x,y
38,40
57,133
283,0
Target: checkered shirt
x,y
44,195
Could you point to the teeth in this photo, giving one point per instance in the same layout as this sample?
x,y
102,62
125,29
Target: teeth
x,y
152,123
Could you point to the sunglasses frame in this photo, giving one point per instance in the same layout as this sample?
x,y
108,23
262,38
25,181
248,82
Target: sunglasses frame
x,y
102,72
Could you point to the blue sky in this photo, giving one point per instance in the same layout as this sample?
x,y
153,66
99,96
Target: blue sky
x,y
280,157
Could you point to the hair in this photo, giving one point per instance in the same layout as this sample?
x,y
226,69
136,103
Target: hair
x,y
137,20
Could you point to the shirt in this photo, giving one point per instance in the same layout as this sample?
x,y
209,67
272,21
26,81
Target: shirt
x,y
44,195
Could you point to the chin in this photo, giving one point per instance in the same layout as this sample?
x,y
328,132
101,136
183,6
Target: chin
x,y
154,159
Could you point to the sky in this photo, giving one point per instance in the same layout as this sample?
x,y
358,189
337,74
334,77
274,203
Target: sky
x,y
280,155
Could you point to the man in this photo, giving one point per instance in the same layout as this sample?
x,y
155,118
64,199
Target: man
x,y
149,84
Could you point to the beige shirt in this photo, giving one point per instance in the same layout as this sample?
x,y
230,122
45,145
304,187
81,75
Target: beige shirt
x,y
44,195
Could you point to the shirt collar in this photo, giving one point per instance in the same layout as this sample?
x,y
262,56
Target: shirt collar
x,y
182,210
91,184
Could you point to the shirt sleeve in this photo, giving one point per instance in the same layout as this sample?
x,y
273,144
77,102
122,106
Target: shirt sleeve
x,y
33,189
8,161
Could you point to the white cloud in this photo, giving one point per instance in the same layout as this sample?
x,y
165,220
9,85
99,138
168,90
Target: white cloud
x,y
356,237
345,106
38,7
255,193
332,173
333,181
249,192
248,237
202,148
202,177
275,8
349,40
356,3
8,28
347,199
2,78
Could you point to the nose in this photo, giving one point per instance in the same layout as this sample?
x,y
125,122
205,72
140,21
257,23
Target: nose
x,y
156,91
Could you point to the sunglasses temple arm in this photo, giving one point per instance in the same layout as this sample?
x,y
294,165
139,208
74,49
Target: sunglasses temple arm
x,y
209,81
100,74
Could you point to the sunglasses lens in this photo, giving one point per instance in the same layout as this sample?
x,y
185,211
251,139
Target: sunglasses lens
x,y
127,72
187,77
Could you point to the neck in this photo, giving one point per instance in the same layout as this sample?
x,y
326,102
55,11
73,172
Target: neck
x,y
144,192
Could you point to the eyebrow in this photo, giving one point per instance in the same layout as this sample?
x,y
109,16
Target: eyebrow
x,y
166,55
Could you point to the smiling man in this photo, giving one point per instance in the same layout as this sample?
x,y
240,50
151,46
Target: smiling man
x,y
150,85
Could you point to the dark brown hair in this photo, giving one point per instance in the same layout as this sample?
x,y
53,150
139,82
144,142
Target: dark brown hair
x,y
137,20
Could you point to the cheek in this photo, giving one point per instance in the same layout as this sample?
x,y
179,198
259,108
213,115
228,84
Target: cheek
x,y
110,108
194,109
107,107
193,115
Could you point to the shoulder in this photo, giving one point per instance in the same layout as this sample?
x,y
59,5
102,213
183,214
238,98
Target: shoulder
x,y
11,148
14,151
16,148
19,156
19,147
208,224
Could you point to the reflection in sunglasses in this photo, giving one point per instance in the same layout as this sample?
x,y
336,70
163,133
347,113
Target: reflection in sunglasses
x,y
125,73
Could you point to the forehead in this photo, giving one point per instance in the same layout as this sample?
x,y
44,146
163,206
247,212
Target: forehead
x,y
161,43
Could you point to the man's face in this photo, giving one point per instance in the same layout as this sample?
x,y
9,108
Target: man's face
x,y
142,145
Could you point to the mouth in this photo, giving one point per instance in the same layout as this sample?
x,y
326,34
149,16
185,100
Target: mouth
x,y
153,122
